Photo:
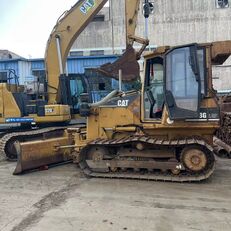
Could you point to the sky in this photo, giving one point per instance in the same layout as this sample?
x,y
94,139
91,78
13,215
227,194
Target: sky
x,y
25,25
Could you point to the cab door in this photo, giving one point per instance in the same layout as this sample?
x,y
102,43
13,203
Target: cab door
x,y
182,83
153,90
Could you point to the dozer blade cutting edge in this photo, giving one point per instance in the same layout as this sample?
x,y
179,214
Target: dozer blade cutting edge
x,y
127,63
36,154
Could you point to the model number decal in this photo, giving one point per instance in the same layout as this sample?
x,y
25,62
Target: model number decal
x,y
122,103
203,115
87,5
49,110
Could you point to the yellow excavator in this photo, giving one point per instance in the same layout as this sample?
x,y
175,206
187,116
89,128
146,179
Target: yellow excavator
x,y
164,131
55,107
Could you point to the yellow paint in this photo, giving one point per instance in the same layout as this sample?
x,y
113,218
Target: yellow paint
x,y
8,105
9,108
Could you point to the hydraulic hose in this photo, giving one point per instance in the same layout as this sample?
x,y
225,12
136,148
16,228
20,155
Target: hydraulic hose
x,y
105,99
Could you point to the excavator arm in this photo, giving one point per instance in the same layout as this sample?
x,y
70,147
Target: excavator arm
x,y
131,13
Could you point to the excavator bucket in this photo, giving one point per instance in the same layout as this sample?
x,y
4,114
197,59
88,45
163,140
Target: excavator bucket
x,y
42,153
127,63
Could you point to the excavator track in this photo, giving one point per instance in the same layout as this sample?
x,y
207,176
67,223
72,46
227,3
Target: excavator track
x,y
8,139
142,173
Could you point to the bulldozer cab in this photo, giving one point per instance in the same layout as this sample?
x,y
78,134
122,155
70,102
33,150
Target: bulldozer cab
x,y
175,78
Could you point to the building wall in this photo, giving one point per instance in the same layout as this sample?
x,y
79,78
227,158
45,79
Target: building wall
x,y
11,68
21,68
222,77
82,63
24,68
8,65
107,34
177,22
37,64
172,23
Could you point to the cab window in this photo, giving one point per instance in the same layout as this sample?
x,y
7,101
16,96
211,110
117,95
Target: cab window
x,y
183,82
154,93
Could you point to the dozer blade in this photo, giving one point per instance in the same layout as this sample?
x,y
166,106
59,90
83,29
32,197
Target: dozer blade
x,y
36,154
127,63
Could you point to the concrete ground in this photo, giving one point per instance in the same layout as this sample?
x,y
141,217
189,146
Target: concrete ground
x,y
64,199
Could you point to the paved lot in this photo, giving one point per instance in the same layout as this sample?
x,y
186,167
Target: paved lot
x,y
63,199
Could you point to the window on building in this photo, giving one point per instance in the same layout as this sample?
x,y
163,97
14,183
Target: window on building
x,y
102,86
99,18
222,4
76,53
40,74
96,52
3,76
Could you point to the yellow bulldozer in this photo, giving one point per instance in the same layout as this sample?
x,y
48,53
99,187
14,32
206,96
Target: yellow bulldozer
x,y
164,131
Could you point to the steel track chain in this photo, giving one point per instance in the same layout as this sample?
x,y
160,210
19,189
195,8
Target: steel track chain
x,y
182,177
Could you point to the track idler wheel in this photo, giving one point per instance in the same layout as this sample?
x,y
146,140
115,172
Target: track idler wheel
x,y
96,153
11,150
95,156
194,159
